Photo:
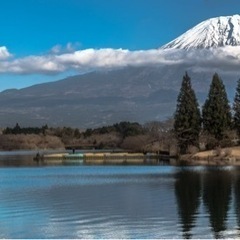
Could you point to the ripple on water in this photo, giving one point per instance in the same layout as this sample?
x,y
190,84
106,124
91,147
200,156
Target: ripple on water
x,y
113,202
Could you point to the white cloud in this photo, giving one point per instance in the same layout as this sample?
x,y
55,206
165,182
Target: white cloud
x,y
31,65
62,59
56,49
110,58
4,53
70,47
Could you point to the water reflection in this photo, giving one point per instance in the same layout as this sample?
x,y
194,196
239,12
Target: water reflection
x,y
17,161
22,158
217,197
188,193
119,202
87,202
237,199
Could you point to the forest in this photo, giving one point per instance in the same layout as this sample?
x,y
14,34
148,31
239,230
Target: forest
x,y
131,136
191,129
216,124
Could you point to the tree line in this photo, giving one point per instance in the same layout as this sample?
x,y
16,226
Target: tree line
x,y
25,130
123,128
214,120
132,136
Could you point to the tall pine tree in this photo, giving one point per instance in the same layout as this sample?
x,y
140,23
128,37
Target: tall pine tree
x,y
236,109
216,114
187,118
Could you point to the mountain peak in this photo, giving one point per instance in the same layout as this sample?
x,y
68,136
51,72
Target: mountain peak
x,y
212,33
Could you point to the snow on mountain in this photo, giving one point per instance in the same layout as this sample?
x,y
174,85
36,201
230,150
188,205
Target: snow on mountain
x,y
212,33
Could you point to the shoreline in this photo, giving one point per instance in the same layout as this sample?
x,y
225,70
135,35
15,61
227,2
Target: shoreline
x,y
219,157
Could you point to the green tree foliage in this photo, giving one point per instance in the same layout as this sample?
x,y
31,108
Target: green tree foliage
x,y
125,129
26,130
236,109
216,112
187,118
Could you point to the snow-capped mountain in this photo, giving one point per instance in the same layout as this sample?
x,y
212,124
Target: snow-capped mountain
x,y
214,32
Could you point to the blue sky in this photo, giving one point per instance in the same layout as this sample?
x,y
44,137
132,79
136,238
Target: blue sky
x,y
32,31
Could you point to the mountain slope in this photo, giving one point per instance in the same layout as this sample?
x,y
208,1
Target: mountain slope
x,y
214,32
90,100
100,98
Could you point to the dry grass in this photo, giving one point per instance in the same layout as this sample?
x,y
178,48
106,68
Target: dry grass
x,y
224,152
29,141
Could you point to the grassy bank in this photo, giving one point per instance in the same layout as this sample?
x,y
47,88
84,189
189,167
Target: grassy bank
x,y
29,142
219,156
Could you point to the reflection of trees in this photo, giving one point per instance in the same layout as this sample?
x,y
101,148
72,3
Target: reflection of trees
x,y
216,197
187,191
237,199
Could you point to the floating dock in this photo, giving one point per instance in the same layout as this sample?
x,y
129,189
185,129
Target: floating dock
x,y
114,158
60,158
97,158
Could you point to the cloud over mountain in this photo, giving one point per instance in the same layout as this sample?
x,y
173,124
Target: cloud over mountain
x,y
213,45
217,59
82,60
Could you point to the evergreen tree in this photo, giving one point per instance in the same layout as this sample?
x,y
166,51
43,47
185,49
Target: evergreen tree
x,y
236,109
216,112
187,119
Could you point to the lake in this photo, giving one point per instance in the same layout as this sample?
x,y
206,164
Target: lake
x,y
118,201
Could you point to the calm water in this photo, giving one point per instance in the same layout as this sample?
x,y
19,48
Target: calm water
x,y
119,202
